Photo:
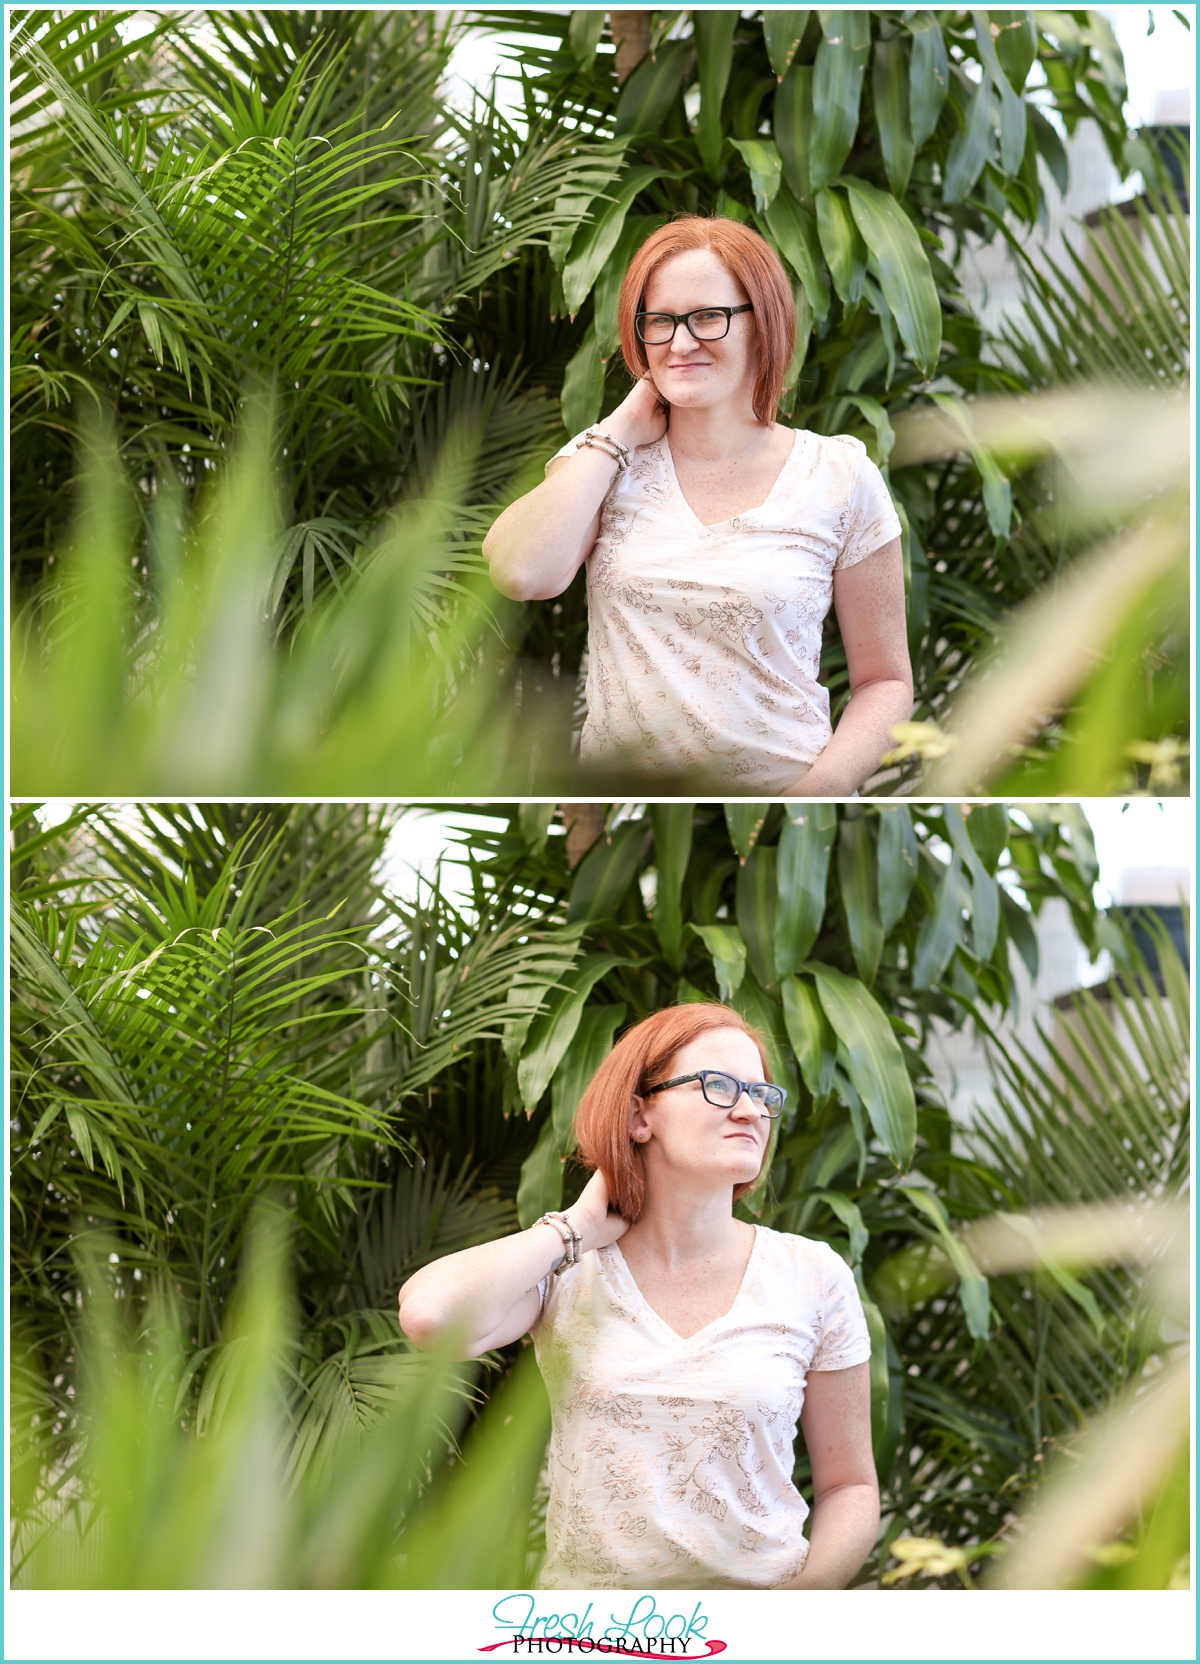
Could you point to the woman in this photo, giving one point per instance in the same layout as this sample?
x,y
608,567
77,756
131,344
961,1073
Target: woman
x,y
679,1345
715,540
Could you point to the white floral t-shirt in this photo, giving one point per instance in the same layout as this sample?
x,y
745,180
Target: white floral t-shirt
x,y
670,1460
704,642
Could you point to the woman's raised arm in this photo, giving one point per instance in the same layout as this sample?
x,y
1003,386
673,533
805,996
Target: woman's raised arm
x,y
538,544
488,1296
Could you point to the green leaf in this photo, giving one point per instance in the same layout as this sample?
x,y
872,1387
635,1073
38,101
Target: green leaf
x,y
607,291
809,1034
590,1045
904,270
793,230
885,434
583,37
941,931
792,127
728,951
841,245
591,250
928,76
860,893
540,1187
886,1396
652,88
606,873
985,892
782,32
988,825
889,89
873,1060
534,821
745,822
803,875
851,1217
761,156
972,1285
766,1015
552,1032
1016,45
971,147
1051,148
755,910
713,34
1012,105
899,853
838,72
672,823
997,489
583,386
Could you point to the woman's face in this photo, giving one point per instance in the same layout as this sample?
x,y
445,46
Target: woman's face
x,y
687,1138
695,374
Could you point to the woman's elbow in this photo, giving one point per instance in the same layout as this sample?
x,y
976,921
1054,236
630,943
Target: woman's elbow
x,y
422,1320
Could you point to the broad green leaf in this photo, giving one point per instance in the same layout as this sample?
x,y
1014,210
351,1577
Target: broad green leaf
x,y
1012,105
928,75
792,127
1020,930
885,434
534,821
904,270
889,88
756,905
783,31
766,1015
1051,148
1016,45
971,147
838,72
583,386
972,1285
745,822
540,1187
590,1045
809,1033
590,252
606,873
552,1032
985,892
728,951
843,248
886,1392
712,31
988,825
941,930
652,88
851,1217
874,1061
858,882
997,489
761,156
607,291
1082,840
672,823
803,876
583,35
793,230
899,853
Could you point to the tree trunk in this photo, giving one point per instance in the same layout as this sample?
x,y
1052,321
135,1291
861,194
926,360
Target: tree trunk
x,y
584,823
631,36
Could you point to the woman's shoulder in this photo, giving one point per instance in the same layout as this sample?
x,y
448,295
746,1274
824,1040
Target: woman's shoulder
x,y
836,449
800,1250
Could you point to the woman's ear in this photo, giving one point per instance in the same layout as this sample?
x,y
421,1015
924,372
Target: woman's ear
x,y
639,1129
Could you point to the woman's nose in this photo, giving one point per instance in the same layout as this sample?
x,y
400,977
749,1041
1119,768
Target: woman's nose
x,y
683,338
744,1109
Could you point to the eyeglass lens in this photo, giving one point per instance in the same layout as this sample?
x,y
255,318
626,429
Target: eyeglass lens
x,y
723,1092
657,328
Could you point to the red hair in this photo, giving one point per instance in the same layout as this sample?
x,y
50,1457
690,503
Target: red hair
x,y
640,1059
756,266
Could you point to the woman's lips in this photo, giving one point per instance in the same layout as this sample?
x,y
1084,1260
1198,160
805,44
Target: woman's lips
x,y
748,1136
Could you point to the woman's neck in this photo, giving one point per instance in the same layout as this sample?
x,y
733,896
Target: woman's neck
x,y
680,1226
715,433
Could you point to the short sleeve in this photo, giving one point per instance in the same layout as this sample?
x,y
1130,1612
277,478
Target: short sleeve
x,y
569,449
844,1339
872,520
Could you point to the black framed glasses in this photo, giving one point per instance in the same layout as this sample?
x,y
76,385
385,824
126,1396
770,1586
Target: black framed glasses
x,y
723,1091
706,323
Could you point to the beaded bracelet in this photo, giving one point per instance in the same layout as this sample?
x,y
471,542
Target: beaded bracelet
x,y
612,448
571,1239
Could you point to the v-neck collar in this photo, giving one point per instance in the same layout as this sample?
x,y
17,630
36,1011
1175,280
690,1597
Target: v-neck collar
x,y
627,1284
716,525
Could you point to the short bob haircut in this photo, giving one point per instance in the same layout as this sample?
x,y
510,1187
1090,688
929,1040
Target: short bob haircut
x,y
640,1059
747,257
